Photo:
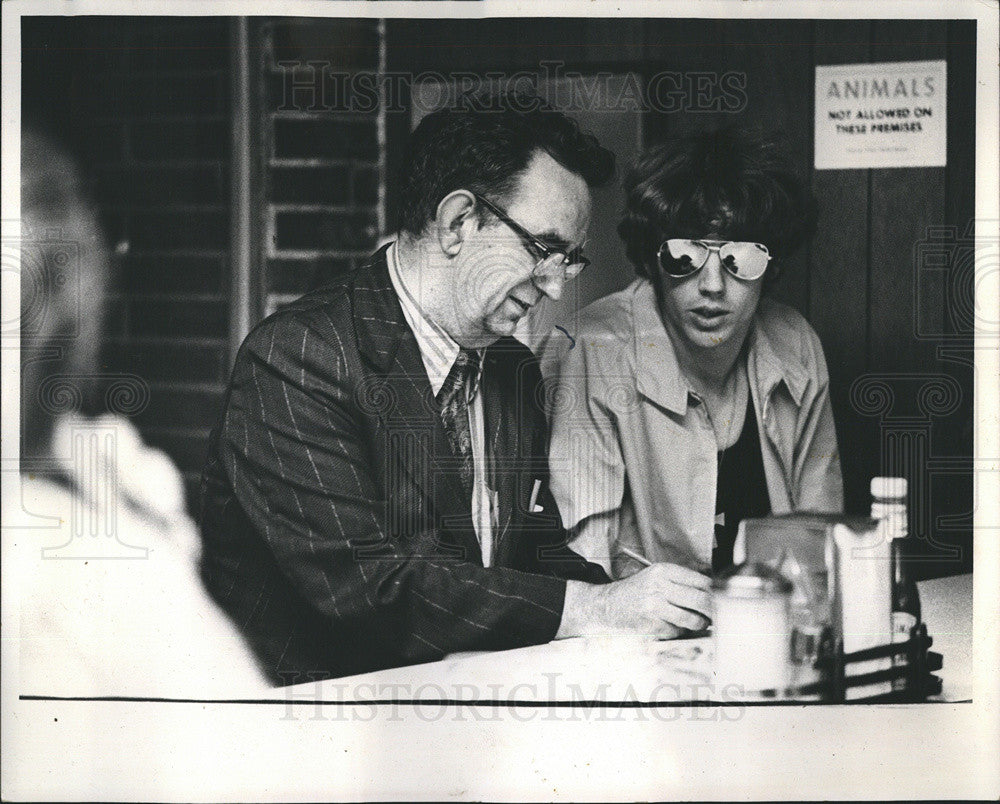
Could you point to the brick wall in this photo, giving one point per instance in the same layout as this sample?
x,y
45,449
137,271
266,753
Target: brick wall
x,y
145,106
143,103
323,159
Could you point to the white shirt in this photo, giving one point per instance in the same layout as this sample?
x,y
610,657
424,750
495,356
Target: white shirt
x,y
438,352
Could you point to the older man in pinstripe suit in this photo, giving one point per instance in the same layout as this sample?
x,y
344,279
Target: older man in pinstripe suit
x,y
376,491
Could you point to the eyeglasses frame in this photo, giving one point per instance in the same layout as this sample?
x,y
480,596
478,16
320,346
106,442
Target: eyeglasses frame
x,y
535,245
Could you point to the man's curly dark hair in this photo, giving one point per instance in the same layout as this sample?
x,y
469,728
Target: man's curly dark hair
x,y
483,144
726,183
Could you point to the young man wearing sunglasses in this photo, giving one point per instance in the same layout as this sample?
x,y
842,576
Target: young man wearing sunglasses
x,y
377,491
701,401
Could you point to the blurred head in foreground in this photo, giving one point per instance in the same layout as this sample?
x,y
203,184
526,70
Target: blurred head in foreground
x,y
64,277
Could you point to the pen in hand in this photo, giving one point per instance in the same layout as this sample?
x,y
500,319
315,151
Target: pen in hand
x,y
704,569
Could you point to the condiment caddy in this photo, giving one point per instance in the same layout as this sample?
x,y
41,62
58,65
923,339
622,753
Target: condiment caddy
x,y
827,598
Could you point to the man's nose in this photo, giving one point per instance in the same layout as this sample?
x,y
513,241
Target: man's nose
x,y
710,278
551,286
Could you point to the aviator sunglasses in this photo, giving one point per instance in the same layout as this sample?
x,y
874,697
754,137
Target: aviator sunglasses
x,y
680,258
552,262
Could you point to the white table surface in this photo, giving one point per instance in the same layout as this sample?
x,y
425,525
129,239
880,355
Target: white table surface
x,y
616,668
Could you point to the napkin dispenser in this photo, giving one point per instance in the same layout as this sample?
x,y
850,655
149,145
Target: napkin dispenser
x,y
802,536
861,561
843,590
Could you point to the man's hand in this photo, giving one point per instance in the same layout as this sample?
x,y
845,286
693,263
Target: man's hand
x,y
664,599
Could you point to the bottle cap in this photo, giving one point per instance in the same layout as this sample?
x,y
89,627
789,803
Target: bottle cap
x,y
752,580
889,488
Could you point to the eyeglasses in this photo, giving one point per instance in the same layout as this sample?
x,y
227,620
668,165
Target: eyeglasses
x,y
679,258
553,263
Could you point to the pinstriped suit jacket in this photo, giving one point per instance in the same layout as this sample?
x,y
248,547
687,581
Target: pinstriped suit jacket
x,y
335,530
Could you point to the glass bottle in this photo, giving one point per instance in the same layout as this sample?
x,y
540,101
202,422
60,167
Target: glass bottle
x,y
889,507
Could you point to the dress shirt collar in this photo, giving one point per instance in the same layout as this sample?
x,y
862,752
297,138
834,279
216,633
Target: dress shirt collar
x,y
659,376
438,349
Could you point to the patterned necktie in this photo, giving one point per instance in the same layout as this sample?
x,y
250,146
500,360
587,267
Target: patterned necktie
x,y
458,390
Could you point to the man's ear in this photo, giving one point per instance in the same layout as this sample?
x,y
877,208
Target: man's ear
x,y
455,220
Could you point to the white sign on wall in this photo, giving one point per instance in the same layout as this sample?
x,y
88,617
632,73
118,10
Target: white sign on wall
x,y
881,115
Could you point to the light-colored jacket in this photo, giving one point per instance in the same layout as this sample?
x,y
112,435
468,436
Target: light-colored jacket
x,y
633,462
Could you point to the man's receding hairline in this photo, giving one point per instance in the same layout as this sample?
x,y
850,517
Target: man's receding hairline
x,y
516,181
517,177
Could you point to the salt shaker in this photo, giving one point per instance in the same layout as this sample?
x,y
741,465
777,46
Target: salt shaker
x,y
751,629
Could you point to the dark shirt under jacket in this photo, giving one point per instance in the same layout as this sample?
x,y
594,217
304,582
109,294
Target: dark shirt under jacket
x,y
741,491
336,531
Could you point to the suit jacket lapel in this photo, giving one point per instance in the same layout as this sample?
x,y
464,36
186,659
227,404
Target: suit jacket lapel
x,y
402,396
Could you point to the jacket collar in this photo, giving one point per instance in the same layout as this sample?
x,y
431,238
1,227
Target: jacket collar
x,y
774,357
378,317
659,376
